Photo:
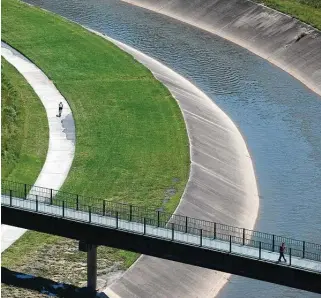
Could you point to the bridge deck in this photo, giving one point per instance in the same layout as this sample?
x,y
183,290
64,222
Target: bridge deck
x,y
159,232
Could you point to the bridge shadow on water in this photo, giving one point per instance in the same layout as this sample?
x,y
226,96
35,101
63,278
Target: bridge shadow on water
x,y
46,286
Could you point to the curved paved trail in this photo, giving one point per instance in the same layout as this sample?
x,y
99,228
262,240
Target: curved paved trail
x,y
221,187
62,137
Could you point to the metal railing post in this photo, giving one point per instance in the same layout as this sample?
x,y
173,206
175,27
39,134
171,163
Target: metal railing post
x,y
130,212
89,213
116,219
63,208
214,230
25,191
172,231
104,207
10,197
201,237
51,196
77,202
157,218
186,223
243,236
273,242
290,256
37,203
303,253
144,225
260,246
230,243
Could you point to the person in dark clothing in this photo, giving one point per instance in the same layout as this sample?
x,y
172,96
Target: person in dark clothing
x,y
60,109
282,249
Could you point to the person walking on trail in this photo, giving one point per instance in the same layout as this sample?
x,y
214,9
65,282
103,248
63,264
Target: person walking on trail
x,y
282,249
60,109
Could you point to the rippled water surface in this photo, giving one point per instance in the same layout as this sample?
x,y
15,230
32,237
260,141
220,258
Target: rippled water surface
x,y
278,116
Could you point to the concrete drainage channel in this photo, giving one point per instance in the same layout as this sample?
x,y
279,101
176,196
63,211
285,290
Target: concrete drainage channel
x,y
61,132
214,162
295,48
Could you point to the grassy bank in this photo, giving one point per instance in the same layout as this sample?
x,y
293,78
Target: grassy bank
x,y
308,11
131,143
24,128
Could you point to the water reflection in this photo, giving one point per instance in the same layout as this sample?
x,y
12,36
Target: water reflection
x,y
278,116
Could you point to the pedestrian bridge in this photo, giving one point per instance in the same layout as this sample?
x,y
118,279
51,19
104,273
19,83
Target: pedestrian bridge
x,y
179,238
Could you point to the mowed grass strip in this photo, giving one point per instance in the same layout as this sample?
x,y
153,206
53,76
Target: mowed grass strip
x,y
308,11
131,140
24,128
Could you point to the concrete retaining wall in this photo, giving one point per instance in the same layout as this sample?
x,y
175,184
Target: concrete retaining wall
x,y
288,43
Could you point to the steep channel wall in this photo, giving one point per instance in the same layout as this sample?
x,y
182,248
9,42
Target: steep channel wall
x,y
286,42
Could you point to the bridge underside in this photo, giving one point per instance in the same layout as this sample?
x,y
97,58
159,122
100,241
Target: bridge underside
x,y
180,252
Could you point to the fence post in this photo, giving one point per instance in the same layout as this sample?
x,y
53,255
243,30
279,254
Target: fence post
x,y
116,219
273,243
63,208
104,207
186,223
157,218
144,225
130,212
303,253
36,203
172,231
201,238
260,246
51,196
77,202
89,211
214,230
230,243
10,197
290,256
25,191
243,236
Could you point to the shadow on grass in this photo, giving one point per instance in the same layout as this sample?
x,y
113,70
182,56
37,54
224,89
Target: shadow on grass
x,y
45,286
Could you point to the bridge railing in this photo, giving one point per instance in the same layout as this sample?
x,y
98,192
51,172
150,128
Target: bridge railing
x,y
155,217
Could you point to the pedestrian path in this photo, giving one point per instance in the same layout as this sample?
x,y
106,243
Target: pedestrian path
x,y
43,205
62,137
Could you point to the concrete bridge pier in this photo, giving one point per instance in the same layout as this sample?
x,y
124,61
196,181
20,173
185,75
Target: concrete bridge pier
x,y
92,267
91,250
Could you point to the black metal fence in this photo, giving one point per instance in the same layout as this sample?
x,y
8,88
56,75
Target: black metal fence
x,y
158,218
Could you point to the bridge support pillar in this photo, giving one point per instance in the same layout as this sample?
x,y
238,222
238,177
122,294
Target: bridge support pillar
x,y
91,250
92,266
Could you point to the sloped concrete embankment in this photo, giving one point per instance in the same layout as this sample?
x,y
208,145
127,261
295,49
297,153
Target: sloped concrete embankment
x,y
286,42
221,187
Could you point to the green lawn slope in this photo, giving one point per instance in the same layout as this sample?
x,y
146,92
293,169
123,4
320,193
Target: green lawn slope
x,y
24,128
131,140
308,11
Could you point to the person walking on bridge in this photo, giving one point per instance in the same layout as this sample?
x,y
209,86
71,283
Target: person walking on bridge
x,y
282,249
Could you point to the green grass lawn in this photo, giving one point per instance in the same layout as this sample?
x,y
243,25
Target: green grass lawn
x,y
131,141
24,128
308,11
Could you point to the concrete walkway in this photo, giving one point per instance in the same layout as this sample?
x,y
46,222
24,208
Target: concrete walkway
x,y
221,187
62,137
